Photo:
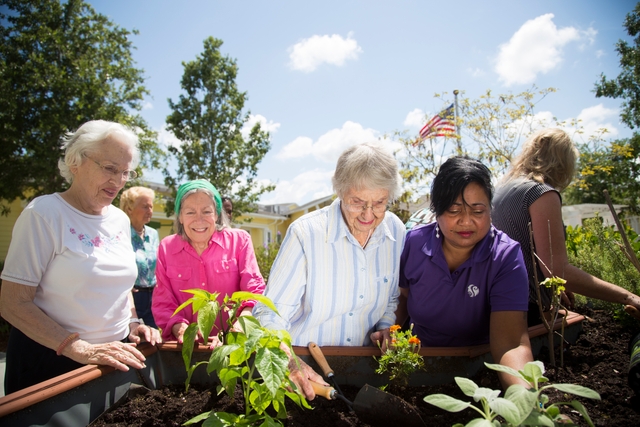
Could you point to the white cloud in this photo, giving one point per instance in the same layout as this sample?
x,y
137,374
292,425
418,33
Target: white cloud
x,y
299,147
305,187
535,48
415,118
330,145
594,119
475,72
147,106
309,54
167,138
266,125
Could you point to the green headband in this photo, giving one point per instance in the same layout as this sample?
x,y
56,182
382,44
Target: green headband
x,y
193,185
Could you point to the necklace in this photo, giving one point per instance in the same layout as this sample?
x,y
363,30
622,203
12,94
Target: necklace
x,y
364,245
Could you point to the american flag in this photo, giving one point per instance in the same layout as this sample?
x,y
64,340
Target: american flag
x,y
442,124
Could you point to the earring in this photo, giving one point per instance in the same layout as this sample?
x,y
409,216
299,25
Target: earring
x,y
493,232
437,232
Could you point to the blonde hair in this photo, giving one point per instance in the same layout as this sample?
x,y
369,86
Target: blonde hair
x,y
130,195
549,157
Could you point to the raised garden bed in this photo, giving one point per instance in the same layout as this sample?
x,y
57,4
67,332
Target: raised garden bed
x,y
79,397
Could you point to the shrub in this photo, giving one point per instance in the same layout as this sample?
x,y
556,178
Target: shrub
x,y
266,255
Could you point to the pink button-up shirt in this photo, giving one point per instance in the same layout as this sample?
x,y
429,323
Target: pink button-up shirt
x,y
226,266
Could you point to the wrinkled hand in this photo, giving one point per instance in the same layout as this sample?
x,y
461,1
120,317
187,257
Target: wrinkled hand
x,y
381,338
116,354
300,373
178,331
633,311
146,333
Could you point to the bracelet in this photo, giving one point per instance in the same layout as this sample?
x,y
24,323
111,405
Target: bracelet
x,y
134,320
66,342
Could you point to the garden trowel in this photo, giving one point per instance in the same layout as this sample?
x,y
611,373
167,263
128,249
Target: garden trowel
x,y
372,405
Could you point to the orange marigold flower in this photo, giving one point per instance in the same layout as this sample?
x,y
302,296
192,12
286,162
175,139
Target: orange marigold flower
x,y
393,341
394,328
414,340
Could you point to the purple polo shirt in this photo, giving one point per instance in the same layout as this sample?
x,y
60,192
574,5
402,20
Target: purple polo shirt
x,y
450,309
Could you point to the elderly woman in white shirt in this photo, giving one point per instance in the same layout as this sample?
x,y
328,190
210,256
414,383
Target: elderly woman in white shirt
x,y
335,279
68,275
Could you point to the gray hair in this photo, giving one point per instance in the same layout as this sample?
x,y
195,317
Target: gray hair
x,y
367,166
87,138
222,221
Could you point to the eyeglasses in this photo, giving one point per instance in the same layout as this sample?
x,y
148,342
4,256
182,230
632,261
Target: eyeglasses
x,y
111,171
377,208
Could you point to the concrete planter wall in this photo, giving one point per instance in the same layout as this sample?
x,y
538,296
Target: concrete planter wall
x,y
80,396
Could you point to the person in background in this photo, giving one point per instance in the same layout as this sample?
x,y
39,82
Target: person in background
x,y
463,282
335,278
67,279
530,193
205,253
227,206
137,203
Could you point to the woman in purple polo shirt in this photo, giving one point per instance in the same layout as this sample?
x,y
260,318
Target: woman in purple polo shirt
x,y
463,281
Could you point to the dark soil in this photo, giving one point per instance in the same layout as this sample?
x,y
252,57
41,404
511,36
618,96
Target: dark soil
x,y
598,360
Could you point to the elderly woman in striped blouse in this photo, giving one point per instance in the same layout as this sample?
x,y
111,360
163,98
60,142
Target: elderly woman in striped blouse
x,y
335,279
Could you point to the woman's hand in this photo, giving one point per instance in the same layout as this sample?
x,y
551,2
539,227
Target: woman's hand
x,y
116,354
139,333
178,331
381,338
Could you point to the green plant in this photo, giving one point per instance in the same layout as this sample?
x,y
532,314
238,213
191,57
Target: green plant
x,y
598,250
266,255
401,358
250,355
520,405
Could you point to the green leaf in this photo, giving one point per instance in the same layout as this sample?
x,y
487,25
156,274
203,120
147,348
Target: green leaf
x,y
578,390
272,365
485,393
505,369
206,318
248,324
197,418
467,386
447,403
220,357
506,409
583,411
533,370
480,422
525,400
537,418
188,342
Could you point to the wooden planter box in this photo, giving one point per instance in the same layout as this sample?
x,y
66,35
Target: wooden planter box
x,y
80,396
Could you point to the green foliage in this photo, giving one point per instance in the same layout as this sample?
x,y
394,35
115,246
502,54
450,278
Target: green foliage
x,y
401,358
266,255
208,119
598,250
607,167
61,65
250,356
625,86
520,405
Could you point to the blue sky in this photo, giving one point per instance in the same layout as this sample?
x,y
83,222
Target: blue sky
x,y
323,76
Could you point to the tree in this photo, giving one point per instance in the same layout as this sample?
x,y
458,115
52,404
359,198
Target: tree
x,y
612,168
61,64
626,86
208,119
492,128
615,167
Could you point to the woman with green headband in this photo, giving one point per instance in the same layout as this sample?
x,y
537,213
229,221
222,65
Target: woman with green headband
x,y
205,253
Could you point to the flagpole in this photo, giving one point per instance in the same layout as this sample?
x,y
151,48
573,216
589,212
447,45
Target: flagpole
x,y
458,136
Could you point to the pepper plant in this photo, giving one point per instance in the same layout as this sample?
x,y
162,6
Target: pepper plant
x,y
401,358
520,405
250,355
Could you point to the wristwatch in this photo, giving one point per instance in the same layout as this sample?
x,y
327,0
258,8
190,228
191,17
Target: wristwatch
x,y
134,320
